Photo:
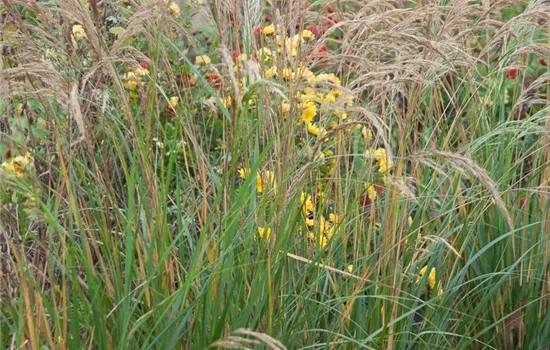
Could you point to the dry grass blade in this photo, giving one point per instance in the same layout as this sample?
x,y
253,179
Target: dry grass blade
x,y
239,341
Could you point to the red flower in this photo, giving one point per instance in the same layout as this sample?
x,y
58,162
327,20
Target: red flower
x,y
365,200
258,30
214,80
7,154
332,19
235,55
169,109
543,61
542,22
267,18
298,25
144,65
512,73
314,30
330,9
521,202
379,188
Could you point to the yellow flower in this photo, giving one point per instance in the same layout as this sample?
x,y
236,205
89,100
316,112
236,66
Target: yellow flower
x,y
310,110
259,184
244,173
285,107
270,29
350,268
173,101
265,53
227,101
322,241
78,31
384,162
367,134
310,222
307,34
328,78
16,166
271,72
264,233
329,98
385,166
431,276
286,73
371,192
307,204
175,8
141,72
302,72
202,59
130,84
410,220
313,129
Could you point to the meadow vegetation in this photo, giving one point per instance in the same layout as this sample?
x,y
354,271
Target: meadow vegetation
x,y
291,174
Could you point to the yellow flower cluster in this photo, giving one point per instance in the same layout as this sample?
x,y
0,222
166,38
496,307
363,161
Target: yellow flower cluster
x,y
384,162
17,166
431,276
133,80
202,59
264,179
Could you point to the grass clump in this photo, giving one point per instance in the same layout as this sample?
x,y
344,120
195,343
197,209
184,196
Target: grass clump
x,y
274,174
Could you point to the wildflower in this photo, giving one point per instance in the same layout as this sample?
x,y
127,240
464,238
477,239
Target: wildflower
x,y
227,101
308,35
543,61
410,220
330,8
512,73
285,107
265,54
244,173
175,8
202,59
310,222
78,31
16,167
141,72
371,192
310,109
328,77
342,115
313,129
173,101
269,30
350,268
366,133
314,30
258,30
264,233
329,98
286,73
431,276
384,162
271,72
307,204
322,242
